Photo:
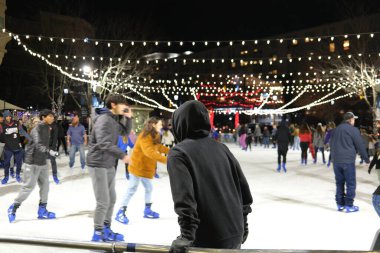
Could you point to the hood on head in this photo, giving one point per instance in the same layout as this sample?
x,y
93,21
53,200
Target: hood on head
x,y
7,113
191,120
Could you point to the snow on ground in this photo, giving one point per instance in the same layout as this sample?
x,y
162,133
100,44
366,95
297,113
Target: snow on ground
x,y
295,210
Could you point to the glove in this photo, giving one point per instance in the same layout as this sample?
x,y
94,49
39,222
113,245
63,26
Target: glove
x,y
53,153
246,230
180,245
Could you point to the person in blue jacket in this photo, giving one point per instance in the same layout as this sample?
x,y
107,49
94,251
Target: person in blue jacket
x,y
123,143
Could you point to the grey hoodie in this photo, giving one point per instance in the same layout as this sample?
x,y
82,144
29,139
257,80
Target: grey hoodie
x,y
102,147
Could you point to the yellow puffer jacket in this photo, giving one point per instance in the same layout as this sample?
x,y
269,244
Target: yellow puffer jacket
x,y
145,156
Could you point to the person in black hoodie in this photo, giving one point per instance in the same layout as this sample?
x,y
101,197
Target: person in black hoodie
x,y
282,137
198,179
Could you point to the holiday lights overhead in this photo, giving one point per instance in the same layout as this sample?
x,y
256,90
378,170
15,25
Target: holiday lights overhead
x,y
212,43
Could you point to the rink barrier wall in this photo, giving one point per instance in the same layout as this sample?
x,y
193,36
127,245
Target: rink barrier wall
x,y
147,248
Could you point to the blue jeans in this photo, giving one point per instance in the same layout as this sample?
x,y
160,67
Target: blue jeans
x,y
73,150
132,188
376,203
8,154
345,175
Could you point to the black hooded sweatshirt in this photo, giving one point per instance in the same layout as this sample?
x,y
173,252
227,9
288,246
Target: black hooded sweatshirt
x,y
210,192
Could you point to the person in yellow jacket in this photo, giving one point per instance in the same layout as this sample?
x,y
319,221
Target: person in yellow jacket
x,y
147,152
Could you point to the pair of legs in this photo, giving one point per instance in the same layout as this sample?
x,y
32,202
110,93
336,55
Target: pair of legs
x,y
33,174
281,151
73,150
18,157
345,177
134,182
322,149
103,184
304,148
63,141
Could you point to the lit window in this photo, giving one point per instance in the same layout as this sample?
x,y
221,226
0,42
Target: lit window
x,y
295,42
233,64
346,45
307,40
332,47
255,50
274,58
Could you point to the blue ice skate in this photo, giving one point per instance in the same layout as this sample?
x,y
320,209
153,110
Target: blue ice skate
x,y
148,213
284,167
18,179
56,180
340,208
351,209
98,236
11,214
121,217
5,180
110,236
43,213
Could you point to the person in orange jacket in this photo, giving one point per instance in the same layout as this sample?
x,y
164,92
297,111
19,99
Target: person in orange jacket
x,y
147,152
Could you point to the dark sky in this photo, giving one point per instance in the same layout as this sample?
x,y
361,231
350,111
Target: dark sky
x,y
202,20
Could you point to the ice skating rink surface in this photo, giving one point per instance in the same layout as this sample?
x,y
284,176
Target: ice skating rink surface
x,y
293,210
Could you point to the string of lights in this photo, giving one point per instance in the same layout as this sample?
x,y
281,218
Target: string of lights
x,y
209,43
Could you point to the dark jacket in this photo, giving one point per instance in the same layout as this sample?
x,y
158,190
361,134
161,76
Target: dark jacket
x,y
345,142
283,137
210,192
102,147
60,130
10,135
37,150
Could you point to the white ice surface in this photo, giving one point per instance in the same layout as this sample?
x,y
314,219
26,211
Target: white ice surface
x,y
295,210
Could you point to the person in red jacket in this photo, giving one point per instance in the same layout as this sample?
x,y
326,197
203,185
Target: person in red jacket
x,y
305,139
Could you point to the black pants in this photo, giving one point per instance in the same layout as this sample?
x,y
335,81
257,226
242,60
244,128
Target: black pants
x,y
63,141
304,148
281,152
231,243
53,165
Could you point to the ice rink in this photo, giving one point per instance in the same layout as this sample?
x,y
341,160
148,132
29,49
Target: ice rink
x,y
293,210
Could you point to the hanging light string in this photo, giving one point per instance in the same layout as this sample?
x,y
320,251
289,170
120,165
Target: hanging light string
x,y
193,43
226,60
59,68
167,98
295,98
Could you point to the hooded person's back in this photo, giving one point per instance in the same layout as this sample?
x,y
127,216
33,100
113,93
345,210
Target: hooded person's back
x,y
210,193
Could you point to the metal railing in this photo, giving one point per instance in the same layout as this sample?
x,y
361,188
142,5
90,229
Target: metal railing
x,y
147,248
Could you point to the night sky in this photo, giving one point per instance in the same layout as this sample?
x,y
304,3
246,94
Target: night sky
x,y
188,20
203,20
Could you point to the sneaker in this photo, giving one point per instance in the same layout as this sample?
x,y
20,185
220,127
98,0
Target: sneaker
x,y
340,208
351,209
148,213
110,236
12,173
18,179
328,165
56,180
156,175
5,180
11,214
98,236
43,213
121,217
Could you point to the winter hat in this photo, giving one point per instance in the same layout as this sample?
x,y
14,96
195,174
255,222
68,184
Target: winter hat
x,y
7,113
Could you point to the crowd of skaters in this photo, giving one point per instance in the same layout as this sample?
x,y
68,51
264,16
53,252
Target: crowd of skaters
x,y
112,135
108,142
